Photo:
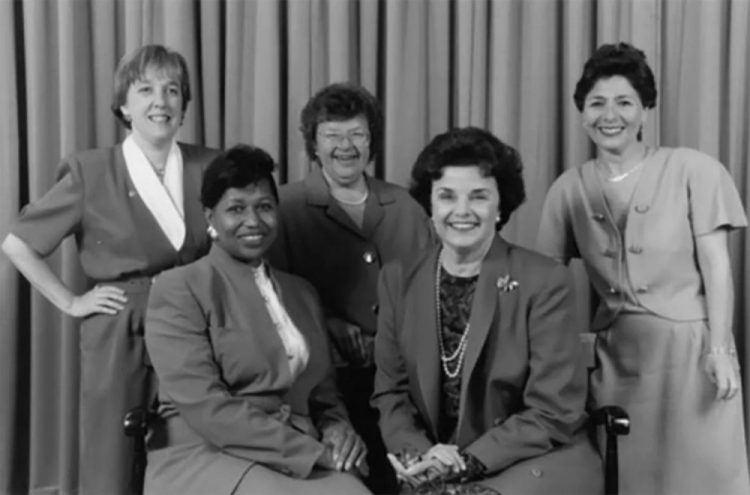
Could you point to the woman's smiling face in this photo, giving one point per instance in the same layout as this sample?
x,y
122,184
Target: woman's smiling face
x,y
465,205
154,106
246,221
613,114
343,149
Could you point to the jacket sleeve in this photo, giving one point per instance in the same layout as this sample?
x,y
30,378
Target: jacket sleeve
x,y
182,355
555,234
400,422
44,223
326,405
555,390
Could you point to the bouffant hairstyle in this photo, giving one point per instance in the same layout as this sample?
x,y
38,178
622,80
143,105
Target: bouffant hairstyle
x,y
236,167
470,146
620,59
133,66
342,101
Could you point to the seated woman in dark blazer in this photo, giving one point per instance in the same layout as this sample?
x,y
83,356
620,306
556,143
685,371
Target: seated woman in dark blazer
x,y
247,398
479,382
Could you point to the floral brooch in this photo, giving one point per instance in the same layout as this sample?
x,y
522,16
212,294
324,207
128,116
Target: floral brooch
x,y
506,284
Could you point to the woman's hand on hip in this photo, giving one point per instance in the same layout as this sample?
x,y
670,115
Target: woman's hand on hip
x,y
722,371
104,299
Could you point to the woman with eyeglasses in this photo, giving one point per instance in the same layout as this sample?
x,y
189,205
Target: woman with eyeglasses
x,y
338,227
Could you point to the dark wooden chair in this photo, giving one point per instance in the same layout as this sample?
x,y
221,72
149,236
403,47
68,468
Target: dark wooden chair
x,y
613,419
616,422
135,424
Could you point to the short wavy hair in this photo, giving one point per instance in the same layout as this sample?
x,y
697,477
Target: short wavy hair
x,y
470,146
342,101
237,167
620,59
133,66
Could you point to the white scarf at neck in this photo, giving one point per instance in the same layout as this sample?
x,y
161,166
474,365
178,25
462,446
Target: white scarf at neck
x,y
164,200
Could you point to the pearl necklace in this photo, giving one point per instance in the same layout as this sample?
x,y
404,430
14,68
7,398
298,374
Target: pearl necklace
x,y
356,202
458,354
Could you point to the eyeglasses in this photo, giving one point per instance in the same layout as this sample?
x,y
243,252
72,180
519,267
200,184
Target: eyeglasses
x,y
357,138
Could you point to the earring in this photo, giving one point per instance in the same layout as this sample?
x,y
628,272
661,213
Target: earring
x,y
497,218
212,232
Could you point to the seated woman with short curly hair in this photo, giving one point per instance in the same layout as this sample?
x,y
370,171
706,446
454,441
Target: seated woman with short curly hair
x,y
479,383
247,398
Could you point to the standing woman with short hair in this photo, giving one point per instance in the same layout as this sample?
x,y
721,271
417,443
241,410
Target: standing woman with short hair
x,y
651,225
134,211
338,227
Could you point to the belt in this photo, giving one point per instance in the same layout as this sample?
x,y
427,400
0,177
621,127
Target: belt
x,y
134,284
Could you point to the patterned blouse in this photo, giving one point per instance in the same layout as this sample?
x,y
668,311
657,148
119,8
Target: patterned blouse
x,y
456,296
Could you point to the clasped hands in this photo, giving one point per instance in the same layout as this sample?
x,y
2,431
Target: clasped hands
x,y
345,450
440,461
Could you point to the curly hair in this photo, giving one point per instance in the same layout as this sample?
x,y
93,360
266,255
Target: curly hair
x,y
133,66
342,101
470,146
621,59
236,167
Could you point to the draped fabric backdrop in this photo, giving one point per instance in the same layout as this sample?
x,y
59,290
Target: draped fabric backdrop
x,y
507,65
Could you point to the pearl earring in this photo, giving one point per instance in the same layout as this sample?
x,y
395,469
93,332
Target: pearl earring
x,y
212,232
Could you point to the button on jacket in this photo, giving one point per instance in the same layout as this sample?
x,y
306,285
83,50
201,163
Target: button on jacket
x,y
319,242
682,193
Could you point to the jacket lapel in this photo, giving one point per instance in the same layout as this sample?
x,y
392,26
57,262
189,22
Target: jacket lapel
x,y
420,320
484,308
644,195
191,184
148,226
318,195
375,208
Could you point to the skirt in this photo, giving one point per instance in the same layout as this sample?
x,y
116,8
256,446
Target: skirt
x,y
682,439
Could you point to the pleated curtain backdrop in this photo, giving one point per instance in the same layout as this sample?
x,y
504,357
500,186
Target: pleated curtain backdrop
x,y
506,65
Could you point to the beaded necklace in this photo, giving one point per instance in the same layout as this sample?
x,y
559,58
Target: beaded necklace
x,y
451,370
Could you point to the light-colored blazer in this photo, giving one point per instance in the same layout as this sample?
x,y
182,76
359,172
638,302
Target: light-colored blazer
x,y
523,385
227,396
682,194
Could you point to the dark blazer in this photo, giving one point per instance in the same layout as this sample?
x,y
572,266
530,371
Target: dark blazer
x,y
227,396
319,242
523,385
117,236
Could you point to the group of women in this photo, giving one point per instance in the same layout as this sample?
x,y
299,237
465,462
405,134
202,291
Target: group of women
x,y
344,335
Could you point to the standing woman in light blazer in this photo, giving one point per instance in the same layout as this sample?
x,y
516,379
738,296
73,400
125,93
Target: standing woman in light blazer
x,y
479,381
133,210
247,398
651,226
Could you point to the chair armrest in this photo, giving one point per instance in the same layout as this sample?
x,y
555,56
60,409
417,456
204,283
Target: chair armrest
x,y
135,423
616,423
614,418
